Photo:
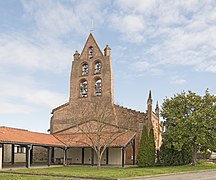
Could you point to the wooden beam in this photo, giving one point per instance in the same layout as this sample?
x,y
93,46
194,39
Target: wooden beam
x,y
65,157
92,156
134,151
83,155
12,154
107,155
3,154
49,156
123,157
28,148
31,155
53,155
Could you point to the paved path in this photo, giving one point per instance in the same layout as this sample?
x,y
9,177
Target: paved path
x,y
203,175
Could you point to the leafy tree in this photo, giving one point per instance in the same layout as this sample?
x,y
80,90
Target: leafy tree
x,y
190,120
146,156
172,157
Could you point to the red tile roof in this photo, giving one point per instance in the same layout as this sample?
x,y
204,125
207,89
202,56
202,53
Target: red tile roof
x,y
80,140
20,136
13,135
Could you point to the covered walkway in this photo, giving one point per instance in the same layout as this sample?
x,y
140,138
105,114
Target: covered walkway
x,y
60,148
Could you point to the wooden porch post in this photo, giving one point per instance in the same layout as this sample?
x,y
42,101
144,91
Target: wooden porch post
x,y
1,147
28,149
107,155
12,154
83,155
65,156
134,151
123,154
48,156
31,155
53,155
2,154
92,155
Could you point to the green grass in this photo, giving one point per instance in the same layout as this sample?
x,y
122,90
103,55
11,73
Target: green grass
x,y
4,176
115,172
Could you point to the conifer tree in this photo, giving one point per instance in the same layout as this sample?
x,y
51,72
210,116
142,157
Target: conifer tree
x,y
151,148
143,150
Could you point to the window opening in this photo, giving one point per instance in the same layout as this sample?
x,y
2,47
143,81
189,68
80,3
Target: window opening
x,y
84,89
98,87
97,68
85,69
91,50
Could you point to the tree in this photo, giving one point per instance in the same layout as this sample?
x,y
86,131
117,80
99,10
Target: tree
x,y
99,126
190,120
143,150
146,156
151,148
169,156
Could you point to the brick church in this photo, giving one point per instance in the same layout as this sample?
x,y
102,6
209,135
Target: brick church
x,y
89,120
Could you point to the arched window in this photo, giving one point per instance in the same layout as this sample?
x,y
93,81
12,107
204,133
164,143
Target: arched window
x,y
91,51
97,68
84,88
85,69
98,87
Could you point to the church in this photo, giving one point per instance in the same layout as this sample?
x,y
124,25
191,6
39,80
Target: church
x,y
89,125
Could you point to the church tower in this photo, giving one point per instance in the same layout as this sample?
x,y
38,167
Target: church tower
x,y
91,74
91,84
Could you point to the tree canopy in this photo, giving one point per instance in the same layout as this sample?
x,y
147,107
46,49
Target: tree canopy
x,y
190,120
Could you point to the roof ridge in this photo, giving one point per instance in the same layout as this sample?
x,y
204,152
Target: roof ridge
x,y
14,128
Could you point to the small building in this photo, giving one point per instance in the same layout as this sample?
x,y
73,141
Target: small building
x,y
90,119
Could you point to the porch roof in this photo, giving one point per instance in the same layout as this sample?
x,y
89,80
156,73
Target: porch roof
x,y
83,140
21,136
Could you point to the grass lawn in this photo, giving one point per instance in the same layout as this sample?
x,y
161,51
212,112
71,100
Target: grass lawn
x,y
25,177
115,172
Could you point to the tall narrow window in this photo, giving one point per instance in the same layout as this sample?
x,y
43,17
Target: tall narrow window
x,y
85,69
84,89
97,68
91,51
98,87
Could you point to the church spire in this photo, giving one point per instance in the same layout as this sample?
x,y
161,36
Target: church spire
x,y
157,110
149,101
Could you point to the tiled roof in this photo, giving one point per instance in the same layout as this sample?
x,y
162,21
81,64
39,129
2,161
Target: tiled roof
x,y
20,136
13,135
81,140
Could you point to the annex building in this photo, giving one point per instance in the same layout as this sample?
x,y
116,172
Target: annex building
x,y
88,121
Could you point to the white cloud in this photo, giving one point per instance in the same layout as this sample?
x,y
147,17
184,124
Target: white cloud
x,y
23,94
60,18
171,32
22,52
177,80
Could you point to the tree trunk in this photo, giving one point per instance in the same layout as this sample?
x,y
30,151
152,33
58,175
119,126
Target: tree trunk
x,y
194,155
98,159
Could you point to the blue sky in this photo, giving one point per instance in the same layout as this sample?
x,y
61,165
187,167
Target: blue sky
x,y
165,46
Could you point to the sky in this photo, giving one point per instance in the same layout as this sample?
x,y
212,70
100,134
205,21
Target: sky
x,y
164,46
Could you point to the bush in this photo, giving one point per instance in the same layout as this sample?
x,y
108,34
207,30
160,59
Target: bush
x,y
172,157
